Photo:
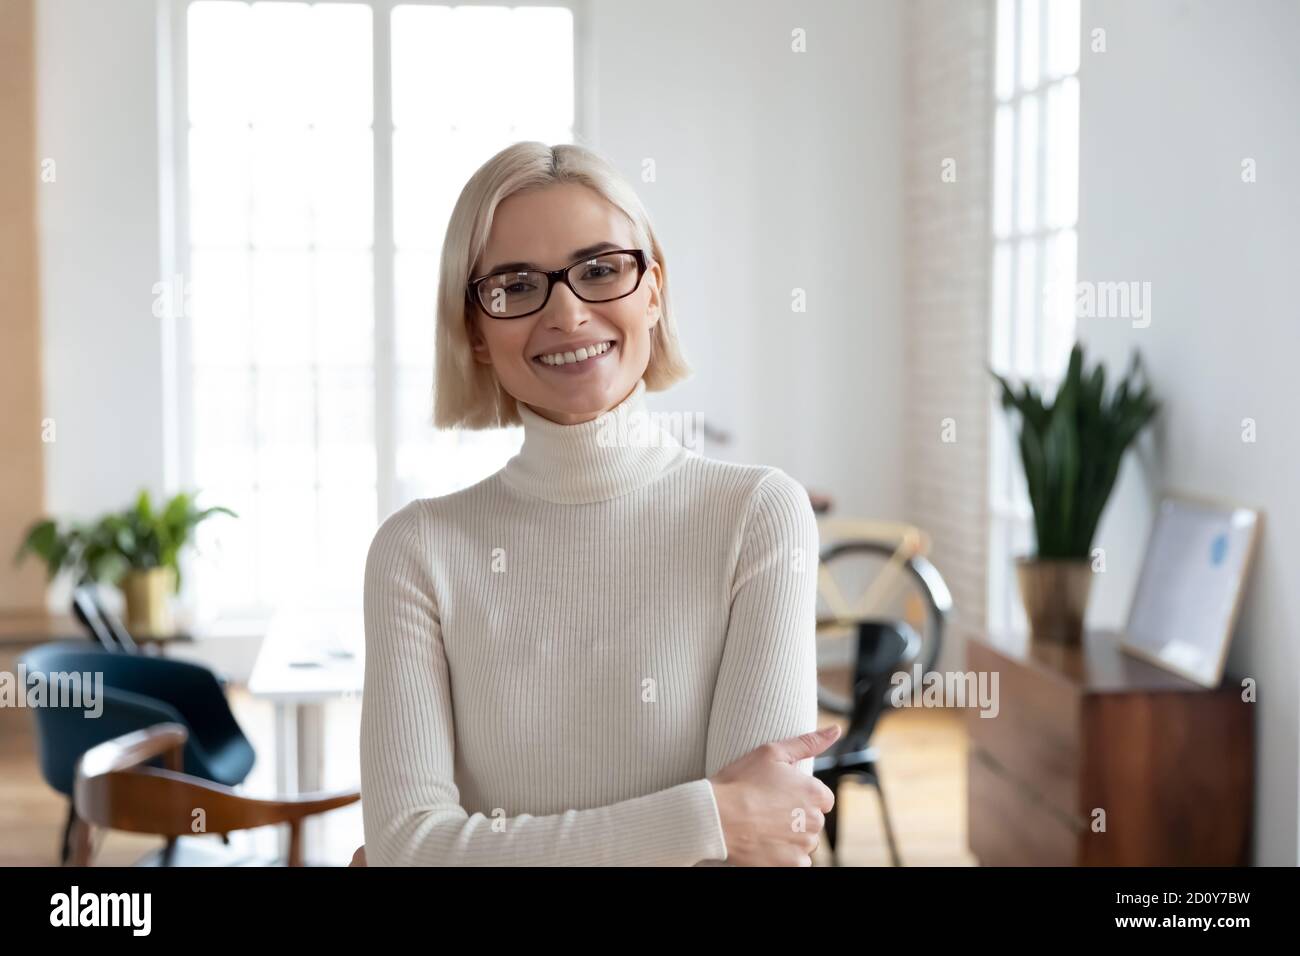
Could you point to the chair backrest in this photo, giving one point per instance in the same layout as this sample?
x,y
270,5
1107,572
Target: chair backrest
x,y
136,691
884,649
102,624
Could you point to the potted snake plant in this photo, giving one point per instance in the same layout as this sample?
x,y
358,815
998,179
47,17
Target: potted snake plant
x,y
1071,448
137,549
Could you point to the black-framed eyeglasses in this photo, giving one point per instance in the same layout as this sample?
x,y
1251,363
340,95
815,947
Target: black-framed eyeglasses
x,y
603,277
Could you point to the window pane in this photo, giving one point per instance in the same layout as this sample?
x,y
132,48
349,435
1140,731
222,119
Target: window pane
x,y
416,279
1006,53
1058,319
221,328
1004,158
422,197
281,187
436,462
225,441
1027,180
218,62
225,558
1000,337
1030,25
350,513
282,308
429,169
1001,449
339,48
281,64
343,188
347,417
1062,37
1025,334
287,543
521,60
423,50
286,426
345,307
219,186
416,437
542,80
1063,153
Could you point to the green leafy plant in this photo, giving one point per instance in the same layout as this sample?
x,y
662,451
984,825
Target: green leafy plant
x,y
134,539
1071,449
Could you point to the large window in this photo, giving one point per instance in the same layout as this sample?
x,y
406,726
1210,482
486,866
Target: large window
x,y
1035,212
319,149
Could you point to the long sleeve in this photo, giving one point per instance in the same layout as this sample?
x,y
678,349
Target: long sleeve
x,y
767,684
410,803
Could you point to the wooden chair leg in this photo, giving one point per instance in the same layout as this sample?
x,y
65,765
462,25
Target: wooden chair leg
x,y
80,847
295,844
65,849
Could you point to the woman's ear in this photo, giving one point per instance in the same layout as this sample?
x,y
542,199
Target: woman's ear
x,y
654,309
478,347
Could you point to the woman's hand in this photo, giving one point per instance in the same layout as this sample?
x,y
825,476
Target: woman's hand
x,y
758,797
359,858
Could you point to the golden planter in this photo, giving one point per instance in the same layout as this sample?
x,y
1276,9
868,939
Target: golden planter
x,y
1055,593
148,601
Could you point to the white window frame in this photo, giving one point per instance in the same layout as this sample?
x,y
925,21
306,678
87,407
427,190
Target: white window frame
x,y
178,382
1012,513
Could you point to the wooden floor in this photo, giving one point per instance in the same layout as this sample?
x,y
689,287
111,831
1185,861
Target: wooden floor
x,y
923,759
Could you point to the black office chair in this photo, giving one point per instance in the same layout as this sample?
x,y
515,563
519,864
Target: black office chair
x,y
885,646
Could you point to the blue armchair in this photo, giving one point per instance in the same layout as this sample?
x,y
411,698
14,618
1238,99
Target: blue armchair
x,y
138,692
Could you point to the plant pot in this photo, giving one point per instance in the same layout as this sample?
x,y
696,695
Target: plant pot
x,y
1055,593
148,609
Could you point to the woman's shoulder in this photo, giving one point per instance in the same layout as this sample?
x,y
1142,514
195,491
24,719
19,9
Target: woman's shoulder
x,y
753,487
427,519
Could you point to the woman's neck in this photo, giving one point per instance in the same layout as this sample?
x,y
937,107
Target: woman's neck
x,y
618,451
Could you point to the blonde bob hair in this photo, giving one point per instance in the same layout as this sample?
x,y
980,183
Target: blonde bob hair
x,y
467,394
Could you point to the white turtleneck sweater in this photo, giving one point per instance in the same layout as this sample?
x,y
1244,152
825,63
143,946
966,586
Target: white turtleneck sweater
x,y
558,656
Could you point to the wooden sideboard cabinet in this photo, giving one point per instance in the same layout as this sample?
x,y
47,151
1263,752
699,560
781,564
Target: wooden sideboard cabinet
x,y
1092,728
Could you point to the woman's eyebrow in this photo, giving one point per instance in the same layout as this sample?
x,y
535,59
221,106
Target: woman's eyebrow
x,y
574,257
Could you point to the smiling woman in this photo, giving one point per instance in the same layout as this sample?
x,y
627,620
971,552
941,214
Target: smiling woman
x,y
627,625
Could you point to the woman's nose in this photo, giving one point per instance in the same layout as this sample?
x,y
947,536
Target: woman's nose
x,y
565,310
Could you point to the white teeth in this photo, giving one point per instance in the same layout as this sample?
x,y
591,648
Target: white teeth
x,y
581,355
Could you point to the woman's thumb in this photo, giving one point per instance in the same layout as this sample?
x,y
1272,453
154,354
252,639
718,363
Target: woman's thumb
x,y
809,745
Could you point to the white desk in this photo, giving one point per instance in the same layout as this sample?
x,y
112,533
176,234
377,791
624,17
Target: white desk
x,y
307,659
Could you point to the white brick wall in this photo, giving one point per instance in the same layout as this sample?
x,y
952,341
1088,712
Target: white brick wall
x,y
948,103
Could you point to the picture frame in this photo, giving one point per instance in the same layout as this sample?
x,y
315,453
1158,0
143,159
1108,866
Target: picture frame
x,y
1188,598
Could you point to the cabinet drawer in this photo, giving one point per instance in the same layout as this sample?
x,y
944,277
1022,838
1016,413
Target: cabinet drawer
x,y
1037,732
1012,826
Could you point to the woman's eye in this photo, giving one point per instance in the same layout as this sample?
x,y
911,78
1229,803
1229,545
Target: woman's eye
x,y
517,288
592,273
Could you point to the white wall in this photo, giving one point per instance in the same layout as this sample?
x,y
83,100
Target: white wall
x,y
99,251
1184,92
789,162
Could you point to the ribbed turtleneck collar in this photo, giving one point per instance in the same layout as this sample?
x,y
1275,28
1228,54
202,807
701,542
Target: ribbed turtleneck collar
x,y
614,453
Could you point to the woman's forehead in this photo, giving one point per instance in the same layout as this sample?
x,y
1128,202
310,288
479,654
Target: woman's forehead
x,y
547,225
